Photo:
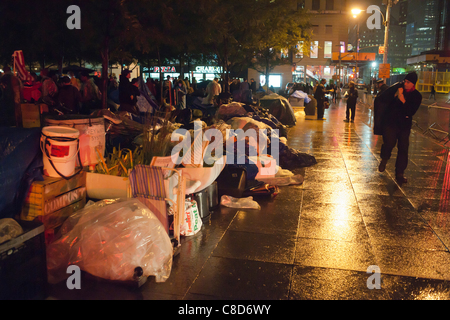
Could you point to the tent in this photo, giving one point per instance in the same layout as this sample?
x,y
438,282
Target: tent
x,y
76,69
280,108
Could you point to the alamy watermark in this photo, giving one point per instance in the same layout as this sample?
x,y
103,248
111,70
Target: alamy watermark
x,y
376,19
374,281
74,21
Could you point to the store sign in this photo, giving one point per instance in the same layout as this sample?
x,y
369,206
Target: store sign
x,y
156,69
208,69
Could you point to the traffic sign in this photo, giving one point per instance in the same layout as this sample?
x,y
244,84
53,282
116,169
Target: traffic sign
x,y
381,50
384,70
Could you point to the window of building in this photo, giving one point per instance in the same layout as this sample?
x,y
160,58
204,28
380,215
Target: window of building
x,y
315,5
300,4
314,49
330,5
342,46
299,47
328,49
274,80
315,29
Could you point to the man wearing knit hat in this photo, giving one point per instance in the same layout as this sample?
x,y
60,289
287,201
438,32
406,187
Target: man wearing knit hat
x,y
396,125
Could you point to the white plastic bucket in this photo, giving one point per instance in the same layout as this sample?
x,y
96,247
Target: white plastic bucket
x,y
60,147
92,135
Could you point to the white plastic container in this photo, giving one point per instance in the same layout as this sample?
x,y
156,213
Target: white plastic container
x,y
102,186
92,135
60,147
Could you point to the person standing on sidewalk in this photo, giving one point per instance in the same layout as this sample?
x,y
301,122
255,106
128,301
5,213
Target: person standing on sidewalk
x,y
396,125
433,92
319,95
351,102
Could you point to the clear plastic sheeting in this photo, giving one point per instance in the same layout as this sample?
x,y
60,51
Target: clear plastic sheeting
x,y
109,239
239,203
9,229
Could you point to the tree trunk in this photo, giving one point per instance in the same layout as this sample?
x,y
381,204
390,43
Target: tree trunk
x,y
105,64
161,80
225,67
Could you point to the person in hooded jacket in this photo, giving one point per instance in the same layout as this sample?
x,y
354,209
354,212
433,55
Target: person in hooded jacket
x,y
396,125
127,94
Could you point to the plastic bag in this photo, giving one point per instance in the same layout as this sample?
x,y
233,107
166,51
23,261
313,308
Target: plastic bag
x,y
301,95
193,223
9,229
284,181
109,239
240,203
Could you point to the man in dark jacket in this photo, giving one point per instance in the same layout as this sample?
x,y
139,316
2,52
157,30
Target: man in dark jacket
x,y
127,96
381,86
319,95
69,97
396,125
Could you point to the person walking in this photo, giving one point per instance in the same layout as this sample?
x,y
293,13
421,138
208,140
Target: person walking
x,y
319,95
396,125
433,93
351,103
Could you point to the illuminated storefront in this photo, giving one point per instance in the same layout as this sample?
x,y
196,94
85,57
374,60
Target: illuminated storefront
x,y
205,73
155,72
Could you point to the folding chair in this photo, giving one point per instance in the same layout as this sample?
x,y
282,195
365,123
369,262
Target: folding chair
x,y
147,184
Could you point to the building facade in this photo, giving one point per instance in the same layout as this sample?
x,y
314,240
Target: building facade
x,y
329,34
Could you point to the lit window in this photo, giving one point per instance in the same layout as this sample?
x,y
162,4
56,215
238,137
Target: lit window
x,y
274,80
328,49
314,49
299,54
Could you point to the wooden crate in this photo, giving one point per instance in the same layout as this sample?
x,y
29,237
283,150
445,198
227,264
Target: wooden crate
x,y
31,114
54,199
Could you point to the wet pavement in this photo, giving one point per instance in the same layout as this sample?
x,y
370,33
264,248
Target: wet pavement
x,y
317,240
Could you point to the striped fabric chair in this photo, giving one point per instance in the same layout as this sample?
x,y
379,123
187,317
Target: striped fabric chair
x,y
147,185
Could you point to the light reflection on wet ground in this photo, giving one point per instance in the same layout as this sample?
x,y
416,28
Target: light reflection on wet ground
x,y
316,241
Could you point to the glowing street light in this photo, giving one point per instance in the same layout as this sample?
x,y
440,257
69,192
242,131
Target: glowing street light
x,y
355,12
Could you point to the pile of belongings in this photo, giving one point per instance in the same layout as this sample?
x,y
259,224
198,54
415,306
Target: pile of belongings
x,y
279,107
241,116
301,95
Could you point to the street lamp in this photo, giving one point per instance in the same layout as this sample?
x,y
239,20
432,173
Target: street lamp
x,y
355,13
386,21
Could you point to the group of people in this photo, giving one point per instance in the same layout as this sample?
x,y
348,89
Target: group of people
x,y
67,94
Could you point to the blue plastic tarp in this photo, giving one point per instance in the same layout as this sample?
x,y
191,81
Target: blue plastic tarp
x,y
20,165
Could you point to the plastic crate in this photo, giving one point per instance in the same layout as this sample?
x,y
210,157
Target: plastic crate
x,y
23,267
